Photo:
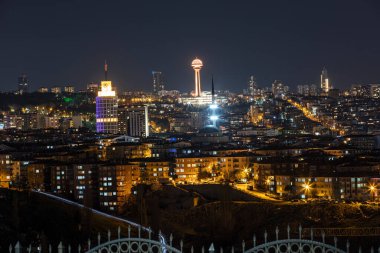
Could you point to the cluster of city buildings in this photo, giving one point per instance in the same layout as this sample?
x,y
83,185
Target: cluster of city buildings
x,y
95,146
102,172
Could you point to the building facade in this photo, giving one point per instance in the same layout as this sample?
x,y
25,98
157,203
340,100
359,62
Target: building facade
x,y
158,81
106,109
134,121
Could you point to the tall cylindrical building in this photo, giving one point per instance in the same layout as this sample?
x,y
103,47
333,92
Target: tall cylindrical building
x,y
197,65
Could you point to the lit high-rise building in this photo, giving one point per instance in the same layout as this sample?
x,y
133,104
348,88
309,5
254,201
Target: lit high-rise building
x,y
43,90
301,89
56,90
307,90
134,121
197,65
158,81
325,85
23,84
122,120
314,90
69,89
279,89
252,85
361,90
92,88
106,107
375,90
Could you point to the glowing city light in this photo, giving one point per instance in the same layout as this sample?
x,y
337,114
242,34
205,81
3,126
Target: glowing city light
x,y
106,90
214,117
213,106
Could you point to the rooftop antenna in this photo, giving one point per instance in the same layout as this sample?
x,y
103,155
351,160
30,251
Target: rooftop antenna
x,y
105,70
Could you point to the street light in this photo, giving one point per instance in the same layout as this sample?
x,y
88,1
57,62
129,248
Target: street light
x,y
306,187
372,189
268,184
247,171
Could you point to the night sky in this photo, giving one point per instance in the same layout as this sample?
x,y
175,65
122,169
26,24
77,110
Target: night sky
x,y
65,42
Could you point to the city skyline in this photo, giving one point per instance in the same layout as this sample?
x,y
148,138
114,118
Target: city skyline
x,y
266,47
189,126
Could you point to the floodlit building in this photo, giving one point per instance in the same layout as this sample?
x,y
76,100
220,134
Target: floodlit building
x,y
325,85
106,108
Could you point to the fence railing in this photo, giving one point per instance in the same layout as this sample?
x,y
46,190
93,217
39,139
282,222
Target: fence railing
x,y
138,243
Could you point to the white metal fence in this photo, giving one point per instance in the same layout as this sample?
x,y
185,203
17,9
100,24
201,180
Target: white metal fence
x,y
147,244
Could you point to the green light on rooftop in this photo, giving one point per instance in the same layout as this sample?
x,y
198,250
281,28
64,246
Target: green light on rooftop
x,y
67,100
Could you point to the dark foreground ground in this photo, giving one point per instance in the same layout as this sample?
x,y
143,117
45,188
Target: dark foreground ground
x,y
218,215
35,219
226,216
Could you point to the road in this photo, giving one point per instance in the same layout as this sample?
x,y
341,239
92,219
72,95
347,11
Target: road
x,y
257,194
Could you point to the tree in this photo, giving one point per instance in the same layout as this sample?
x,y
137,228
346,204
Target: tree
x,y
239,174
203,174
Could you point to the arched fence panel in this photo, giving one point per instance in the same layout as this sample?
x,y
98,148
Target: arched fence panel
x,y
136,243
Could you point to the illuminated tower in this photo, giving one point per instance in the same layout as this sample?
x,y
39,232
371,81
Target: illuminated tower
x,y
252,85
325,85
197,65
214,106
23,84
106,107
158,81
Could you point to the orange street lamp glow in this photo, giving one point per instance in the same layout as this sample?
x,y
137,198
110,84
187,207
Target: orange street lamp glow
x,y
372,189
306,187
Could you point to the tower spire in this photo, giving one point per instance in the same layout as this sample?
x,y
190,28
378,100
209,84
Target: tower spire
x,y
212,89
105,70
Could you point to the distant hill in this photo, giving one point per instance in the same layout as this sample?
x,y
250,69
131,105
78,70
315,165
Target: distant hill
x,y
71,101
35,98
